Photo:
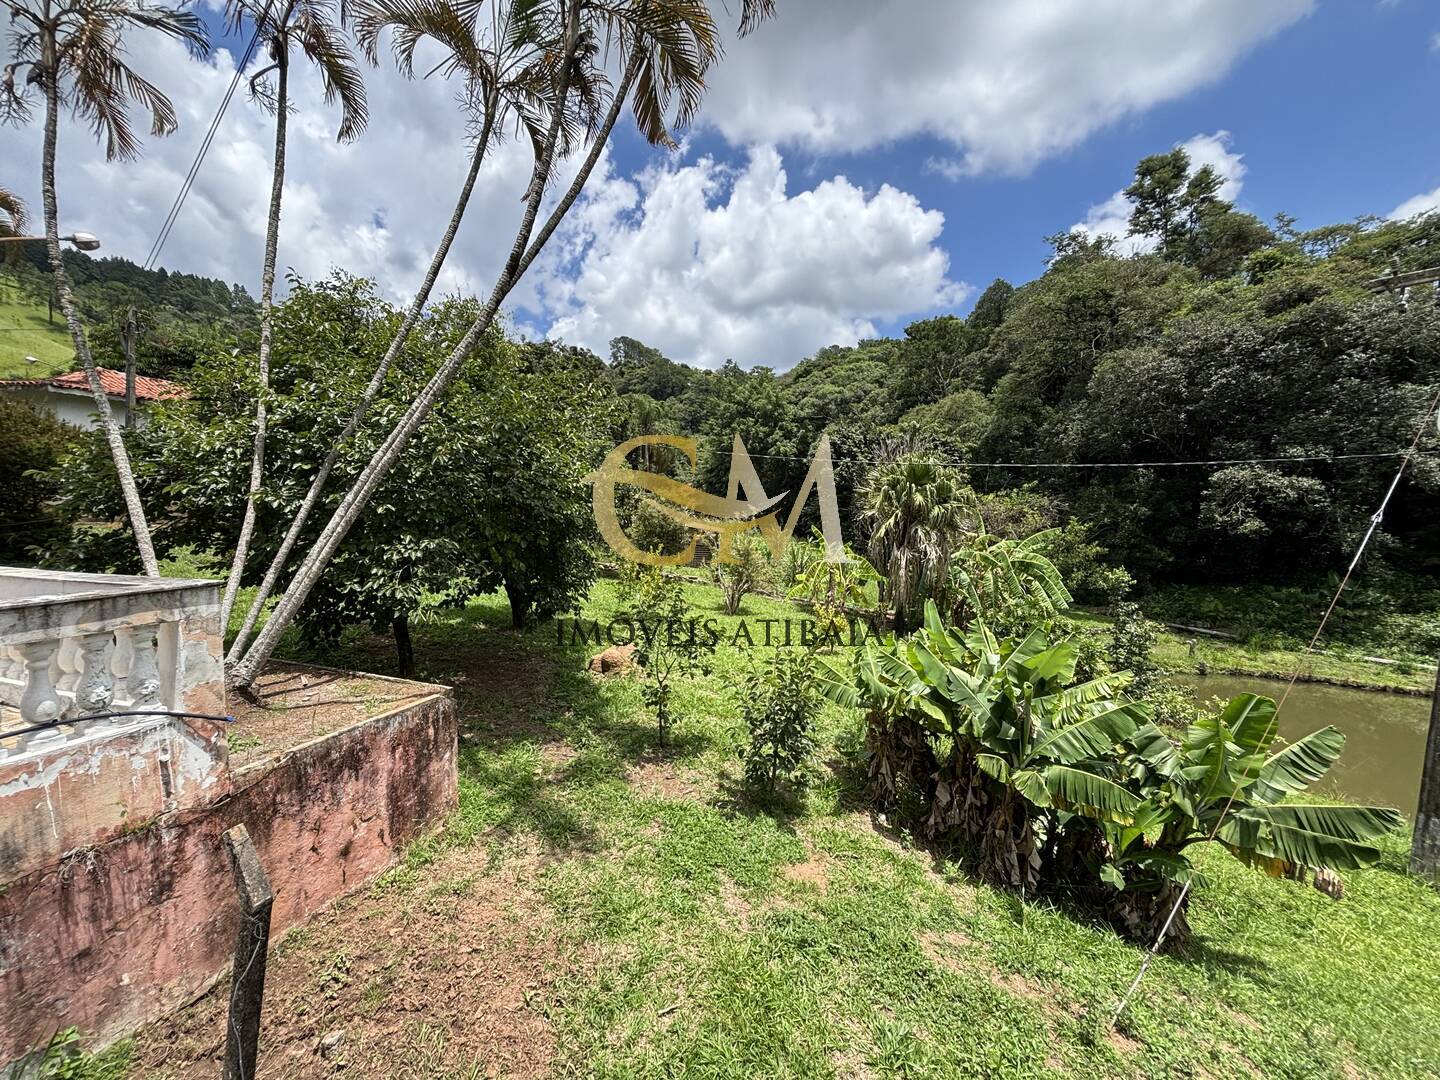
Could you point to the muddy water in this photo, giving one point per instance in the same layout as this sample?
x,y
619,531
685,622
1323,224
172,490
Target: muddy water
x,y
1384,733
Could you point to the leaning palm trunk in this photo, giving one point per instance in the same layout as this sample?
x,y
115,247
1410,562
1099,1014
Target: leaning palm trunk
x,y
523,252
128,488
267,322
372,391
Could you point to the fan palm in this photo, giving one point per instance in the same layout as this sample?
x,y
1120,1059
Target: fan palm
x,y
284,27
917,511
661,27
74,51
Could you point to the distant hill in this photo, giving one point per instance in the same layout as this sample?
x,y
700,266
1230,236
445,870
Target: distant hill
x,y
25,330
180,315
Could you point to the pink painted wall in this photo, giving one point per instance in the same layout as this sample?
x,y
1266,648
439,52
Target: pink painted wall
x,y
129,929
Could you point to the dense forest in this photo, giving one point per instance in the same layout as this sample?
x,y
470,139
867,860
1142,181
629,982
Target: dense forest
x,y
1229,341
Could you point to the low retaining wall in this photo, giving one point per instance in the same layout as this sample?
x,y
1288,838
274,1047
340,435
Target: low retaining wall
x,y
124,931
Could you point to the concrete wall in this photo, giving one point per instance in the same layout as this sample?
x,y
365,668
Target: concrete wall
x,y
74,407
129,929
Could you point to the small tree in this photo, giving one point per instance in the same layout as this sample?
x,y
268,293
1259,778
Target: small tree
x,y
671,645
832,588
779,707
748,572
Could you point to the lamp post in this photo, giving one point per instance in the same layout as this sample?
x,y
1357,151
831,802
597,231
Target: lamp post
x,y
83,241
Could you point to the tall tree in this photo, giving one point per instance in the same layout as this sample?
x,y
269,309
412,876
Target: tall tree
x,y
670,46
502,55
308,26
75,52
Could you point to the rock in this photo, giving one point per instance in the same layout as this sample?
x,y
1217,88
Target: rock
x,y
331,1042
616,660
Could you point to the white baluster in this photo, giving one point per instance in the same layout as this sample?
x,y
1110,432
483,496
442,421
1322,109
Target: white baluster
x,y
40,704
95,689
142,684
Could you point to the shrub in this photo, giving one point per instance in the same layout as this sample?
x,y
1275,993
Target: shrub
x,y
779,708
749,571
671,643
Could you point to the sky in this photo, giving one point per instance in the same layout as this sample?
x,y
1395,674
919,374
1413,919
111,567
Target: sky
x,y
858,164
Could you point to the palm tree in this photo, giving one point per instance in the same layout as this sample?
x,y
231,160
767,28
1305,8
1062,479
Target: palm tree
x,y
503,61
672,44
918,511
14,220
310,27
75,52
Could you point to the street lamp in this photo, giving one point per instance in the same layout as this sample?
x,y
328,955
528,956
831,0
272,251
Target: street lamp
x,y
83,241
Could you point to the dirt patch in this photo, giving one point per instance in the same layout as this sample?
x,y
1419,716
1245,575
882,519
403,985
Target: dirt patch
x,y
668,780
811,873
1123,1043
299,703
949,950
470,1001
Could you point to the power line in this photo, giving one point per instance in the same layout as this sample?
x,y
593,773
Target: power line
x,y
1283,459
204,149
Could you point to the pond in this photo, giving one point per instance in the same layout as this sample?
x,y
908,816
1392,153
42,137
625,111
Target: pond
x,y
1384,733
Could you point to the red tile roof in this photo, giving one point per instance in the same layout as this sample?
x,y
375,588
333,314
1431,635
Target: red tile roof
x,y
146,388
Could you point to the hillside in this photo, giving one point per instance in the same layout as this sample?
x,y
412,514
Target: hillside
x,y
25,331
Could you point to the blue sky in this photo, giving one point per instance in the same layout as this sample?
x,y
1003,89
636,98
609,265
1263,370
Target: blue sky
x,y
858,163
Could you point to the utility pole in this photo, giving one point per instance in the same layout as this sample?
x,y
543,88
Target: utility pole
x,y
127,338
1425,848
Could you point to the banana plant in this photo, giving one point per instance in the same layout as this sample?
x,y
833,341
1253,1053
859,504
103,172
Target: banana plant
x,y
1025,742
1225,782
1006,582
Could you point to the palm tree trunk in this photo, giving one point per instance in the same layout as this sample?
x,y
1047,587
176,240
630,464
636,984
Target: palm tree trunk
x,y
267,320
113,436
377,380
243,674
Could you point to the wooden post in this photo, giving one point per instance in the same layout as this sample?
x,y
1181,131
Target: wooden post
x,y
127,337
247,978
1425,848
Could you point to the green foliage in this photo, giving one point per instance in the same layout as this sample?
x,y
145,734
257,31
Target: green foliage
x,y
1054,780
749,571
672,644
832,588
779,705
917,512
32,443
1131,648
490,493
1225,781
1005,583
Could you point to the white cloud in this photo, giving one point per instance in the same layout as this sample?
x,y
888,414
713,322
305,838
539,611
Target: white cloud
x,y
707,263
1423,203
1005,85
375,207
1112,217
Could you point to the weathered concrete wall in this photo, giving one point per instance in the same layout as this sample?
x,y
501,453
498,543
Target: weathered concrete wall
x,y
89,790
129,929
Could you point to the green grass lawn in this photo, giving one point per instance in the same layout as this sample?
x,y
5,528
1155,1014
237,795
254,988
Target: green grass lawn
x,y
25,331
600,905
